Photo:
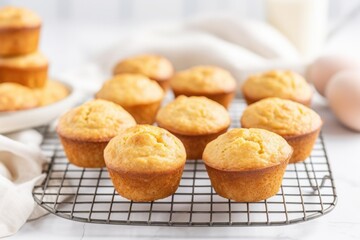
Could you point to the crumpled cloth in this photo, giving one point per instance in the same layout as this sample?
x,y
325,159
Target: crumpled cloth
x,y
242,47
21,164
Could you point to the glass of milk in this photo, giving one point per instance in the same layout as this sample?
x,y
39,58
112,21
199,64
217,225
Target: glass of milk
x,y
303,22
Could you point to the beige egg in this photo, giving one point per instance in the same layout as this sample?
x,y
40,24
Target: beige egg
x,y
323,68
343,93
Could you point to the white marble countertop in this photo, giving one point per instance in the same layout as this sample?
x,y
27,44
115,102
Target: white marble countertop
x,y
342,146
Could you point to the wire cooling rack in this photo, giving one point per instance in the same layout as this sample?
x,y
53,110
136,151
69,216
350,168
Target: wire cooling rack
x,y
87,195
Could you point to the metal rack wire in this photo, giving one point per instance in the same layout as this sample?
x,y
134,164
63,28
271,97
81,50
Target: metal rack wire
x,y
87,195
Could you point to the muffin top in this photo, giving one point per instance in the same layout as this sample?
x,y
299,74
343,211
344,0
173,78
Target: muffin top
x,y
14,97
95,121
52,92
203,80
145,149
246,149
130,90
36,59
282,84
281,116
18,17
153,66
193,116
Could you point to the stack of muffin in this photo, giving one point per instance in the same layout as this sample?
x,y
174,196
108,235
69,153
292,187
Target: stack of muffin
x,y
146,162
23,69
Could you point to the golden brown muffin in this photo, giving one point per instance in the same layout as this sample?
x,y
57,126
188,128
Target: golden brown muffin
x,y
19,31
53,92
145,163
298,124
155,67
16,97
247,165
86,130
140,96
281,84
28,70
208,81
195,121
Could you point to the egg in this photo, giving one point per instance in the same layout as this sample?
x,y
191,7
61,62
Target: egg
x,y
323,68
343,94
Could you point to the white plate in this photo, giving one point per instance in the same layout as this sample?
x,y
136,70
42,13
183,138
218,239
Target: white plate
x,y
18,120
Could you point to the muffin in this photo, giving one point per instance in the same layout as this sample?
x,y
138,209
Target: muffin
x,y
195,121
16,97
19,31
282,84
155,67
208,81
28,70
86,130
298,124
247,165
52,92
140,96
145,163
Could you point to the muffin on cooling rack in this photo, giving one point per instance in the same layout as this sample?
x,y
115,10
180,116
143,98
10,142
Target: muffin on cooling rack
x,y
247,165
19,31
14,97
298,124
52,92
208,81
139,95
195,121
145,163
29,70
86,130
281,84
155,67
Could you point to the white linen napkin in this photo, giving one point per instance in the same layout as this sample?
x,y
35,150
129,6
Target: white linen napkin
x,y
256,36
242,47
21,163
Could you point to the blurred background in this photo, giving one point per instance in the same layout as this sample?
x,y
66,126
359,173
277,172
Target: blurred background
x,y
73,29
143,11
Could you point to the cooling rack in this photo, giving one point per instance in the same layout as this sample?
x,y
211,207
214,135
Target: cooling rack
x,y
87,195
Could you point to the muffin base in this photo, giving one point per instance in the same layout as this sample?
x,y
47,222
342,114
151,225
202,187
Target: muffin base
x,y
34,77
249,100
302,145
195,145
249,185
163,83
144,114
224,98
145,187
19,41
84,153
